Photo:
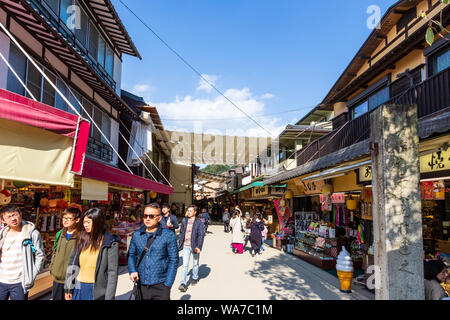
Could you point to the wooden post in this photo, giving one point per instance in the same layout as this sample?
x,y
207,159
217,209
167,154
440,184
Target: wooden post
x,y
397,214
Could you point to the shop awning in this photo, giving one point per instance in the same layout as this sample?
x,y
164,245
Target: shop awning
x,y
101,172
335,172
257,184
39,143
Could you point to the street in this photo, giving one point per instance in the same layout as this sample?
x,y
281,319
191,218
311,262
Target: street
x,y
274,275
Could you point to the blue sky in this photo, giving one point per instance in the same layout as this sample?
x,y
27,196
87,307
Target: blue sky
x,y
268,56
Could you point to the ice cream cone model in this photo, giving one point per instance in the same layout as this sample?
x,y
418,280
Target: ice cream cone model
x,y
344,267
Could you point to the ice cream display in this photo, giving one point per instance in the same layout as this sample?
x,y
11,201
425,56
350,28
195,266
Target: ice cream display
x,y
344,267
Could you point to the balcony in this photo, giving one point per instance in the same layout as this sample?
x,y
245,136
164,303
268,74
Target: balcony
x,y
99,150
431,95
59,26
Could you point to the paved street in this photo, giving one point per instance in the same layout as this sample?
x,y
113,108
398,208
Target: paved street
x,y
272,276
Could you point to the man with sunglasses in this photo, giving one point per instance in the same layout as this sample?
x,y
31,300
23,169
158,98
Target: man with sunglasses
x,y
21,255
153,256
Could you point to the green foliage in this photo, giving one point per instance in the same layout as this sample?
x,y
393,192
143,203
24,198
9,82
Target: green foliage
x,y
216,168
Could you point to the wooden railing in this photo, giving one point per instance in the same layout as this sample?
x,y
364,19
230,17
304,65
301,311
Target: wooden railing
x,y
430,96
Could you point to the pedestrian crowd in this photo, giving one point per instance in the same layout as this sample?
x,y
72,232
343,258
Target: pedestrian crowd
x,y
85,259
245,229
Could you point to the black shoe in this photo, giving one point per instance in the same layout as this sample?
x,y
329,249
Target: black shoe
x,y
182,288
194,282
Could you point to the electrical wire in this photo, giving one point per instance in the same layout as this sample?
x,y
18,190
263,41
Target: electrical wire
x,y
195,70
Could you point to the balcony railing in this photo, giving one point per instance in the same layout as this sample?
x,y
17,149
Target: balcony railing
x,y
430,96
56,23
99,150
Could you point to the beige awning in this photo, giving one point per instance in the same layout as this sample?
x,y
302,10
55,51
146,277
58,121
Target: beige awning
x,y
34,155
94,190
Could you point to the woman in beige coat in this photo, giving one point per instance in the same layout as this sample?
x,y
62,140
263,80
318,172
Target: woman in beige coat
x,y
237,225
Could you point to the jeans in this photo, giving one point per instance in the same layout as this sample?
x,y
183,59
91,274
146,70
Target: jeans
x,y
83,291
262,245
187,251
12,291
226,226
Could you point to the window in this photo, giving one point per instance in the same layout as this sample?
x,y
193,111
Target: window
x,y
53,5
65,14
34,82
439,61
48,93
73,97
109,61
98,115
360,110
93,40
106,127
101,51
18,62
89,109
59,101
378,98
81,33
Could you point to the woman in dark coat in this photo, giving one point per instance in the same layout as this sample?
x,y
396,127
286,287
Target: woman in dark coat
x,y
256,228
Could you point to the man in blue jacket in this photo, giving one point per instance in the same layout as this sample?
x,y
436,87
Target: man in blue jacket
x,y
158,268
190,242
168,220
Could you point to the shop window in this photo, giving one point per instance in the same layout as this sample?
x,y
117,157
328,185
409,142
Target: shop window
x,y
18,62
34,81
439,61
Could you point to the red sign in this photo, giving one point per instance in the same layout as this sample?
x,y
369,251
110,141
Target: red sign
x,y
338,198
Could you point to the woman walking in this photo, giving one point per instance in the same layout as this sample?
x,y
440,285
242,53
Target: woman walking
x,y
237,225
256,228
93,264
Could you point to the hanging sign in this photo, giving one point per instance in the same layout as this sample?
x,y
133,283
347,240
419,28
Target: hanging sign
x,y
338,198
365,173
432,190
313,187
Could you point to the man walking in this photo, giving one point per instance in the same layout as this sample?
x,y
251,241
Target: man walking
x,y
21,255
168,221
190,242
153,256
226,220
205,218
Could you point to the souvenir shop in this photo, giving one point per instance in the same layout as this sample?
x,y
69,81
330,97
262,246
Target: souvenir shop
x,y
335,218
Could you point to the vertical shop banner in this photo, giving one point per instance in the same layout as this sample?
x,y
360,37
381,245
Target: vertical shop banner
x,y
283,211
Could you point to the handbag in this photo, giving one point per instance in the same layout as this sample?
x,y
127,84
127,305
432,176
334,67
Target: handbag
x,y
137,292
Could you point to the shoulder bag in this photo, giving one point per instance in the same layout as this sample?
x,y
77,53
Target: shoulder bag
x,y
137,292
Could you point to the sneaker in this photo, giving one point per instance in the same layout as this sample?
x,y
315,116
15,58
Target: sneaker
x,y
182,288
194,282
253,253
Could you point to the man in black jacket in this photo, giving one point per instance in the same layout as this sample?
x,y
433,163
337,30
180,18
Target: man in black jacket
x,y
191,238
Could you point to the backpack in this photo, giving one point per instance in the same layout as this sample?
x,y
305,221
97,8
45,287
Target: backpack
x,y
58,235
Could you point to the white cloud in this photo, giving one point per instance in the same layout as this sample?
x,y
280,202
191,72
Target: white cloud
x,y
268,96
217,115
204,85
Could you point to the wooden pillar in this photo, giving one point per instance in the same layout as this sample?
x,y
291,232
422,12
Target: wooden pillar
x,y
397,215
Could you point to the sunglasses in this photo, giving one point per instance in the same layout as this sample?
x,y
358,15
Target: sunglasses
x,y
151,216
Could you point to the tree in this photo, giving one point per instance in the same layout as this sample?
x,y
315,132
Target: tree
x,y
216,168
436,27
